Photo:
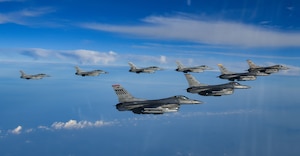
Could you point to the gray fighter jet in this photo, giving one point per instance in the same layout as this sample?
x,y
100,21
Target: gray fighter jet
x,y
195,69
36,76
231,76
211,90
89,73
264,71
141,106
150,69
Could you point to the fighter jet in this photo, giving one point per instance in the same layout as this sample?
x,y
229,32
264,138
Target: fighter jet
x,y
89,73
141,106
211,90
195,69
150,69
264,71
36,76
231,76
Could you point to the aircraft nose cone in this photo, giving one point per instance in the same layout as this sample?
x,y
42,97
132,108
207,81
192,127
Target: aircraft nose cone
x,y
285,68
189,101
196,102
210,68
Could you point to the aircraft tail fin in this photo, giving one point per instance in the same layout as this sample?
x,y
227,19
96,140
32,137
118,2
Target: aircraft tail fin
x,y
22,73
251,64
192,81
78,70
224,70
179,65
123,94
132,66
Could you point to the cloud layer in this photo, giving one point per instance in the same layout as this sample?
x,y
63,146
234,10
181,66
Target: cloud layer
x,y
69,125
73,124
203,31
83,124
82,56
25,16
111,58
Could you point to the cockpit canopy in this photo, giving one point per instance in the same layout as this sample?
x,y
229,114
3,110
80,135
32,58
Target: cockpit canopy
x,y
235,83
181,97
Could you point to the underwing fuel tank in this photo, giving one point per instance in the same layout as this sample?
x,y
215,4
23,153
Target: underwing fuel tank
x,y
153,111
247,78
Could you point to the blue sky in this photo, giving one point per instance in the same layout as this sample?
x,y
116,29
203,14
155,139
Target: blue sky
x,y
69,115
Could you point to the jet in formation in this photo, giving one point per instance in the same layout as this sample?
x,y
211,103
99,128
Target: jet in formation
x,y
89,73
150,69
195,69
211,90
231,76
36,76
264,71
142,106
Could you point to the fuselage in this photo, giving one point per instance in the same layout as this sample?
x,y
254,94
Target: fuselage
x,y
90,73
238,76
216,90
158,106
263,71
37,76
266,70
151,69
196,69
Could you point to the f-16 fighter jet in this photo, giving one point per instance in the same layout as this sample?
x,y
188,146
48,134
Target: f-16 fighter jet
x,y
150,69
211,90
195,69
36,76
263,71
89,73
141,106
231,76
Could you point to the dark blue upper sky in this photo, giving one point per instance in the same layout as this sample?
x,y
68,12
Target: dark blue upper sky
x,y
69,115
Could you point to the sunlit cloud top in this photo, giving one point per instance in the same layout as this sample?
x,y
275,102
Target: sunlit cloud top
x,y
218,32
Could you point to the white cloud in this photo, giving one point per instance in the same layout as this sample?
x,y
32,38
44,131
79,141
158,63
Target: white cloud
x,y
82,56
163,59
39,52
94,57
43,127
142,60
204,31
17,130
22,16
74,124
71,124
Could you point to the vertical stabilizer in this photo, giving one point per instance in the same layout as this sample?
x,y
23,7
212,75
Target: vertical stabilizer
x,y
132,66
179,65
251,64
22,73
224,70
192,81
78,70
123,94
